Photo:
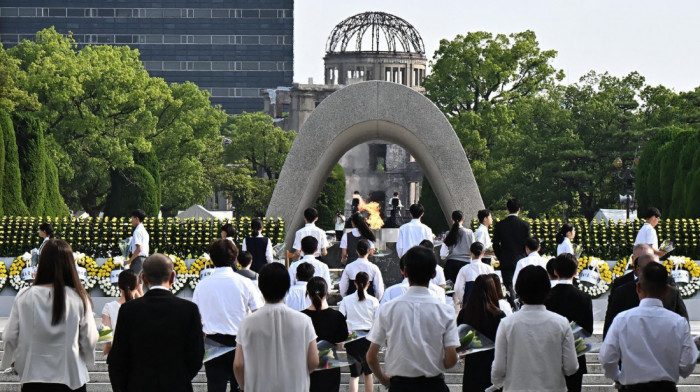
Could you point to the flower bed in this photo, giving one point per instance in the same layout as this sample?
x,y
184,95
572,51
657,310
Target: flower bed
x,y
594,276
686,274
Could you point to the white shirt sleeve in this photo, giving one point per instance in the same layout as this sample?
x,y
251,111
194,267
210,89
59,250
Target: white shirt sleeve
x,y
344,241
323,243
243,247
498,368
610,353
461,281
689,352
451,338
444,251
254,302
293,273
400,242
569,358
326,275
268,251
378,283
377,334
439,278
518,267
341,308
297,241
344,283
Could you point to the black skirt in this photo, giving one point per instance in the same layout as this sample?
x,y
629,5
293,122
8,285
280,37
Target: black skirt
x,y
325,380
357,356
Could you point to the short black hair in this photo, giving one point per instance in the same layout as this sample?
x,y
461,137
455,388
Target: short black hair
x,y
256,224
356,193
223,253
652,279
533,285
483,214
157,269
396,193
47,228
244,258
532,243
416,210
477,248
310,214
229,229
420,265
653,211
305,271
566,265
309,245
550,268
273,282
513,205
427,244
139,213
362,247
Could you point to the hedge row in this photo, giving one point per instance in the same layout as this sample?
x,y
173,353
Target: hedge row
x,y
100,237
616,239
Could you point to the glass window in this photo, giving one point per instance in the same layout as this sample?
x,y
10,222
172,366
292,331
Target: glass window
x,y
268,13
250,40
75,12
122,39
236,13
171,65
8,38
105,39
171,39
288,40
219,92
202,65
123,13
202,39
250,65
250,92
268,66
154,39
171,12
9,11
219,65
219,13
202,13
154,13
219,39
25,11
57,12
268,40
250,13
105,12
152,65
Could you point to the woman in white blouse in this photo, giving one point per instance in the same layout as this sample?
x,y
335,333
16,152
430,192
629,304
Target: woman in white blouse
x,y
564,237
127,285
45,233
51,334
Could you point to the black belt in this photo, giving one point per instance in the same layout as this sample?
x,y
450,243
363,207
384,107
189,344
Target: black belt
x,y
226,340
419,379
651,386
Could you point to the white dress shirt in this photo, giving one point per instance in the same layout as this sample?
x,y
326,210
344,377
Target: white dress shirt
x,y
469,273
647,235
534,351
411,234
653,343
362,265
505,307
533,258
359,314
140,237
111,310
417,328
439,278
482,235
565,247
45,353
355,232
268,250
297,298
275,342
311,230
320,269
400,289
224,299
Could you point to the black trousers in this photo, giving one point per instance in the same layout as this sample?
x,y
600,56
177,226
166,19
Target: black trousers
x,y
508,282
220,370
44,387
653,386
418,384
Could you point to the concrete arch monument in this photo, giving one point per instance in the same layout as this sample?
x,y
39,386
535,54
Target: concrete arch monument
x,y
366,111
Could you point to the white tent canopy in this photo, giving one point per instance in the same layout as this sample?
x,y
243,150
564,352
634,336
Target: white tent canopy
x,y
615,215
196,211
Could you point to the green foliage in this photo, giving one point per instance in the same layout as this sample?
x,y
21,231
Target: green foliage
x,y
331,198
149,161
12,202
32,162
132,188
669,166
683,177
692,208
99,237
3,124
646,183
54,204
434,216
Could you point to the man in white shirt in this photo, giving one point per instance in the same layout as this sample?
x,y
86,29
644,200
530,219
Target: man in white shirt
x,y
649,362
647,234
532,248
224,299
276,346
297,297
308,246
255,245
468,274
419,332
482,233
413,232
400,289
139,242
310,229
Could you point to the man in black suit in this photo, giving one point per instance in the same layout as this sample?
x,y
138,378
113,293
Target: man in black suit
x,y
625,296
509,236
637,251
567,300
159,344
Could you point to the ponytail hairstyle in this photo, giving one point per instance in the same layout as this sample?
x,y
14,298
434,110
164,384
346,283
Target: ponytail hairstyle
x,y
317,289
48,229
361,280
361,224
127,283
452,237
565,229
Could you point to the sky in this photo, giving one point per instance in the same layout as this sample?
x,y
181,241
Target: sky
x,y
659,39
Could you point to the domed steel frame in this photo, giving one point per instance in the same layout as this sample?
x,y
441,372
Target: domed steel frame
x,y
397,32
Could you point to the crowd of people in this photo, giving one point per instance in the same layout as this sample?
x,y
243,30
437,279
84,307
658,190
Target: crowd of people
x,y
266,319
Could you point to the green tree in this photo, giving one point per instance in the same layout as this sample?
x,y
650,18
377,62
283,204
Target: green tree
x,y
648,192
149,161
54,204
12,202
667,171
683,177
434,216
32,162
331,198
132,188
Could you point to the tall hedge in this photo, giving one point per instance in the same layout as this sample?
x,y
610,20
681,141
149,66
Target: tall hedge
x,y
331,198
667,173
149,161
132,188
434,216
12,203
684,175
692,208
54,205
2,160
32,162
648,194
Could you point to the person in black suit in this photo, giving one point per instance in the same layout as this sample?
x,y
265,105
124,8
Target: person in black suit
x,y
159,344
567,300
509,236
637,251
625,296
